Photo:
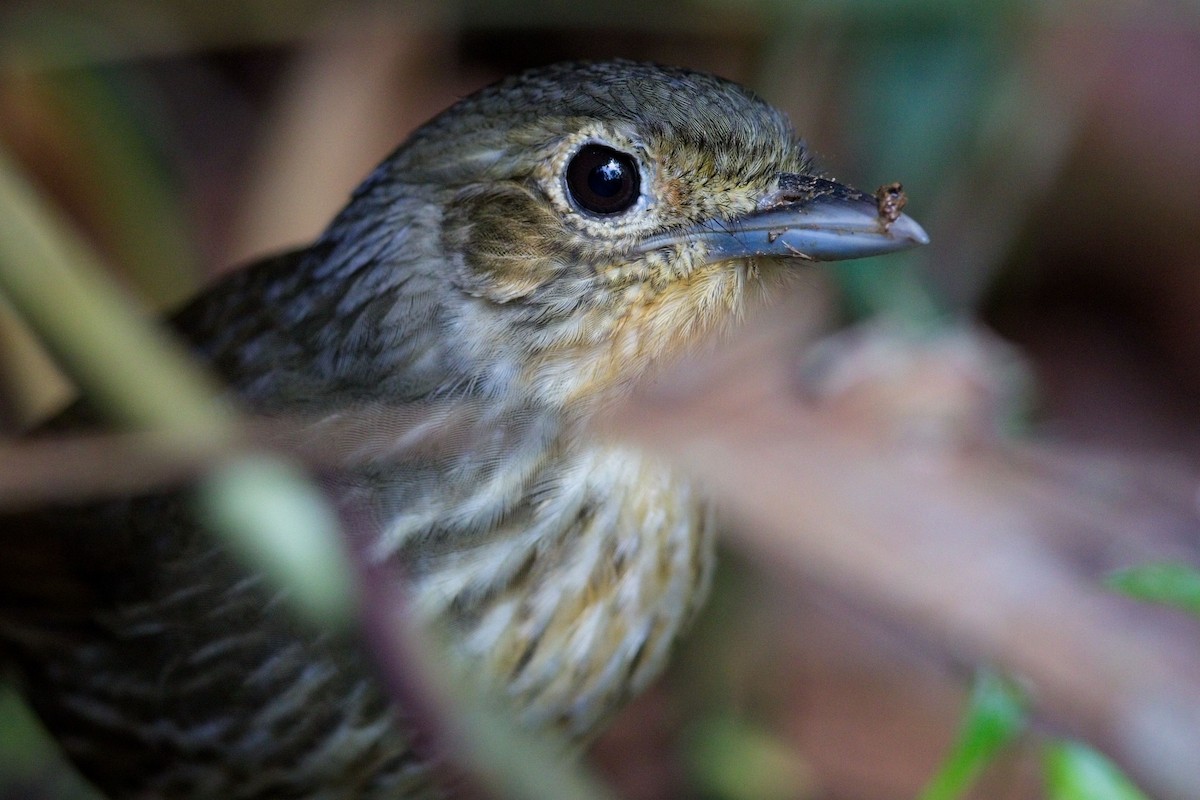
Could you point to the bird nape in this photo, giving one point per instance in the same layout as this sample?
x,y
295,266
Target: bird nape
x,y
534,249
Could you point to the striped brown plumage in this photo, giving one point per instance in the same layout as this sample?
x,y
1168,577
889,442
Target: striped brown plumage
x,y
465,269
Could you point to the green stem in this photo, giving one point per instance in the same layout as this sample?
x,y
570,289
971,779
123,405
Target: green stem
x,y
98,335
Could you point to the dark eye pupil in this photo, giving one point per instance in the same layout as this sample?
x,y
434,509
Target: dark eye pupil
x,y
606,179
602,180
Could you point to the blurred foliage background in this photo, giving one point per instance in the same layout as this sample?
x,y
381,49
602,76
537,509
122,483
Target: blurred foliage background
x,y
1052,150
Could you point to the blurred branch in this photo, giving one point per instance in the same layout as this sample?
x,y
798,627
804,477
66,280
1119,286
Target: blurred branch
x,y
457,722
76,466
138,375
345,98
108,345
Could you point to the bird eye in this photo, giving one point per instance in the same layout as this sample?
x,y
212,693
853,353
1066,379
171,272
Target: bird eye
x,y
602,180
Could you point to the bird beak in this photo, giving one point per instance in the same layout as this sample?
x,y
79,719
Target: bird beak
x,y
807,218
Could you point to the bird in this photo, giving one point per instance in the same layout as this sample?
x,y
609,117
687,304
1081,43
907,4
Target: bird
x,y
535,250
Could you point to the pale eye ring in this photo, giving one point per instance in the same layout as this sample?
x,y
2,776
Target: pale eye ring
x,y
603,181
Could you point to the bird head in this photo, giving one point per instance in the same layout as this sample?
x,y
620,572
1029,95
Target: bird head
x,y
583,221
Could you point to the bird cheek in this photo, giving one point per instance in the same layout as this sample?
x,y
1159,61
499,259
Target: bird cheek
x,y
505,245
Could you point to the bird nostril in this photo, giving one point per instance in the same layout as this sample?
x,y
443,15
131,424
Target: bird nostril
x,y
792,188
808,189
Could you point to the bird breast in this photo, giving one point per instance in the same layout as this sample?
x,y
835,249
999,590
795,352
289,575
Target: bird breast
x,y
569,603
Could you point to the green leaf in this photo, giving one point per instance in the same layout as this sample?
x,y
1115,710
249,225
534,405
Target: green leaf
x,y
1169,584
104,340
732,760
29,758
995,717
1077,772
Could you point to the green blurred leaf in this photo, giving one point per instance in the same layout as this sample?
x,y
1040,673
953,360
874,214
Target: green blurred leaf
x,y
275,519
23,747
1169,584
101,337
28,757
730,759
138,375
515,764
995,717
1076,772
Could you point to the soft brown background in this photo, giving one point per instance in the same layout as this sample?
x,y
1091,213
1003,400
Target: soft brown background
x,y
1053,155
